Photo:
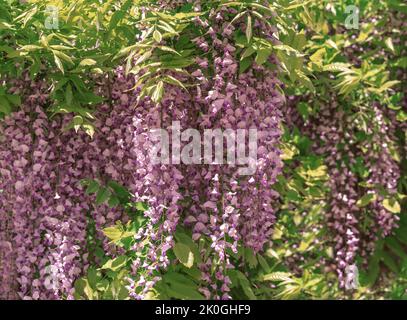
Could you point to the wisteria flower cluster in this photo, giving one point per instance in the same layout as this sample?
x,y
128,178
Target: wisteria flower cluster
x,y
79,104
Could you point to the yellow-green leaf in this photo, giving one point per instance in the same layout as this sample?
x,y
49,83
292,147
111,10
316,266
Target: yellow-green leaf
x,y
115,264
184,254
113,233
87,62
391,205
318,56
158,92
157,36
389,44
249,28
366,199
59,64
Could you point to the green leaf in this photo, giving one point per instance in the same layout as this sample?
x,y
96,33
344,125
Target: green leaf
x,y
250,257
318,56
120,191
93,277
102,195
184,254
245,64
180,286
389,262
5,106
277,276
63,56
401,116
305,80
387,85
115,19
336,67
83,289
141,206
68,94
182,291
263,263
373,270
157,36
245,285
116,263
93,187
182,237
401,62
304,109
366,199
396,247
102,285
247,53
389,44
14,99
113,202
31,47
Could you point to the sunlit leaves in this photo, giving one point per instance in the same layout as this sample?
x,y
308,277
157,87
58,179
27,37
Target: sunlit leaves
x,y
158,92
249,29
87,62
184,254
389,44
59,64
116,233
116,263
318,56
239,279
262,55
366,199
391,205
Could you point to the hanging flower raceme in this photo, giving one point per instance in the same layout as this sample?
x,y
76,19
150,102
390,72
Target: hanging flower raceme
x,y
234,206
